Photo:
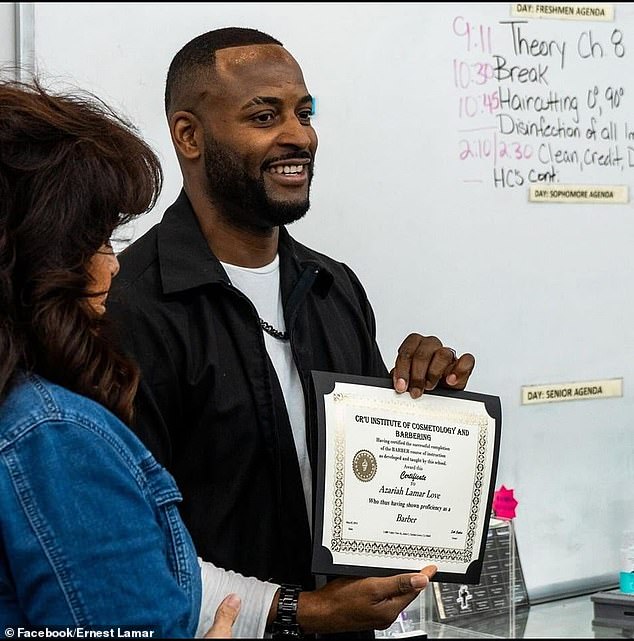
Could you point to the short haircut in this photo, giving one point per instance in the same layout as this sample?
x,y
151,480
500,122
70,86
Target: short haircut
x,y
199,55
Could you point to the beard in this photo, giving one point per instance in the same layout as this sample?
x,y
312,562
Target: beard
x,y
241,199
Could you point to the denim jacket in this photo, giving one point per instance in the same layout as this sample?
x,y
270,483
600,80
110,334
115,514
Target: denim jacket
x,y
90,534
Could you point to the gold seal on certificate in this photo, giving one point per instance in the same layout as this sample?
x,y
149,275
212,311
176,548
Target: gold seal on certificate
x,y
364,465
402,483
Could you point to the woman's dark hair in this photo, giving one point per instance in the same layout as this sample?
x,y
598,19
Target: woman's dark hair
x,y
71,171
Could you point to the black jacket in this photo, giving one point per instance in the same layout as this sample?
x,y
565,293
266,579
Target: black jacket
x,y
210,407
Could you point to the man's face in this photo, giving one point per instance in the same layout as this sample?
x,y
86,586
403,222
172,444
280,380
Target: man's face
x,y
259,143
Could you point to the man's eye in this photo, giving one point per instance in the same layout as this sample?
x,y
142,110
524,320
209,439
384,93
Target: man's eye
x,y
305,115
264,117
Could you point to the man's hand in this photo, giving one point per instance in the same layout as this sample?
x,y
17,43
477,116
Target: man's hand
x,y
423,362
346,605
226,616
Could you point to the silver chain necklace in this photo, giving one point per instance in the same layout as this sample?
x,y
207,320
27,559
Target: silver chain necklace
x,y
275,333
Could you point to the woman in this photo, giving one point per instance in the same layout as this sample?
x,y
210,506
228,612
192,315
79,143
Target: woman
x,y
90,529
90,534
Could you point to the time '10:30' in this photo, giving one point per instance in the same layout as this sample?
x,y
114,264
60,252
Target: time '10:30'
x,y
466,74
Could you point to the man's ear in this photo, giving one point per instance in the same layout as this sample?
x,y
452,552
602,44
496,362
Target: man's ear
x,y
187,134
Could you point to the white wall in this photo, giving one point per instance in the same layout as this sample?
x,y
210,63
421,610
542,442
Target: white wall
x,y
539,293
7,34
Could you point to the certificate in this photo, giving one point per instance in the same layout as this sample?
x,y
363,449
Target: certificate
x,y
401,482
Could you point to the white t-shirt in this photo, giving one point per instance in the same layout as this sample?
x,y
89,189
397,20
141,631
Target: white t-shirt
x,y
262,286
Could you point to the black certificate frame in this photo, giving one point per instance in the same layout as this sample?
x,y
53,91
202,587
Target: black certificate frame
x,y
322,561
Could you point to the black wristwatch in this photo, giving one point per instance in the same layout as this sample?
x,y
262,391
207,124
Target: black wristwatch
x,y
285,625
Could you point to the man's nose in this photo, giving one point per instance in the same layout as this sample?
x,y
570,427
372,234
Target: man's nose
x,y
294,133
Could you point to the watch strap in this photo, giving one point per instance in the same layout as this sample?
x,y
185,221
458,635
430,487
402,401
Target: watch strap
x,y
285,625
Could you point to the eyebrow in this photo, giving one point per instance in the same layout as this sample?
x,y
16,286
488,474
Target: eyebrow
x,y
270,100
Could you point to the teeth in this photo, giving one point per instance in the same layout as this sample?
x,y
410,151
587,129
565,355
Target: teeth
x,y
287,169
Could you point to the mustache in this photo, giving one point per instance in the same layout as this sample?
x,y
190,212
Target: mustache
x,y
295,155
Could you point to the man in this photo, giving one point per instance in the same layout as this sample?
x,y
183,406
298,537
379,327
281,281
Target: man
x,y
227,314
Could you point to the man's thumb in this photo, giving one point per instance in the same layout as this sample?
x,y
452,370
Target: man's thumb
x,y
416,582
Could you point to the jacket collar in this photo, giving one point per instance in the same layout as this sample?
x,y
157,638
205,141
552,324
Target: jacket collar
x,y
187,262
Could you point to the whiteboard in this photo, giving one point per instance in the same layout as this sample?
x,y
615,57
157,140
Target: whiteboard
x,y
7,36
540,292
